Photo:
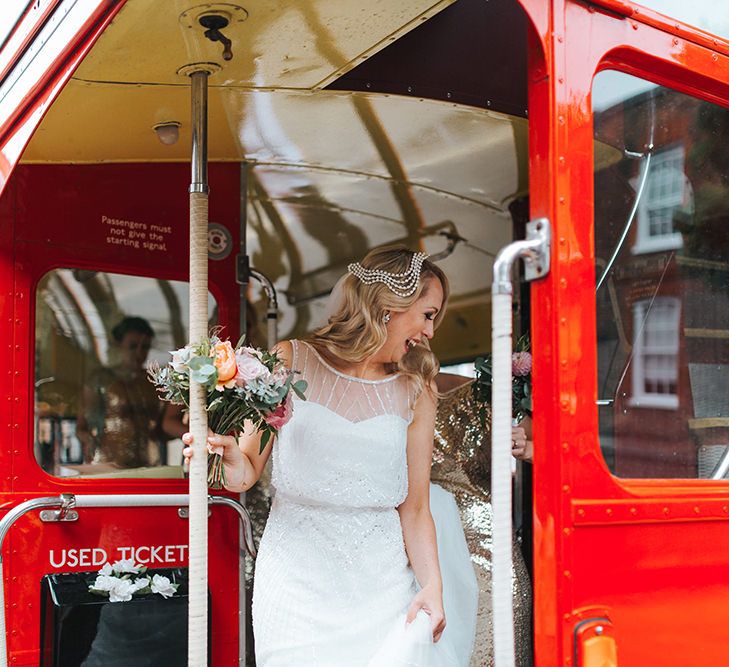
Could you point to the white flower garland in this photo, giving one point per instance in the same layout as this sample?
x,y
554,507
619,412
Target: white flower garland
x,y
124,579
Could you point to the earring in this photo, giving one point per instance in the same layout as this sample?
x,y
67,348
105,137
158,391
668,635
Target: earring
x,y
386,317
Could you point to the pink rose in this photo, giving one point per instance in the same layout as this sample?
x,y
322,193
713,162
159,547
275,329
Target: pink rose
x,y
250,366
281,415
521,363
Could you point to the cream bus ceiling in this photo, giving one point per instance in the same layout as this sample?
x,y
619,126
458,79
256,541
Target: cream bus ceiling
x,y
332,172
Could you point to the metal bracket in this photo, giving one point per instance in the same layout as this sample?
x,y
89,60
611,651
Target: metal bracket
x,y
536,260
66,512
184,512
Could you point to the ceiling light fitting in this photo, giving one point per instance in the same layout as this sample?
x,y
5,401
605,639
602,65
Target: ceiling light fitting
x,y
167,132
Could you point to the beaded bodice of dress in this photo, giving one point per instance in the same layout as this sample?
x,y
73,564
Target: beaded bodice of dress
x,y
345,445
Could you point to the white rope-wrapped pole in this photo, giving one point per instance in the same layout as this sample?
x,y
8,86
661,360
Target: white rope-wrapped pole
x,y
501,584
198,512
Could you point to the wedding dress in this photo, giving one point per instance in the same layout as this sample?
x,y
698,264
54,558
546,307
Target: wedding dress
x,y
333,582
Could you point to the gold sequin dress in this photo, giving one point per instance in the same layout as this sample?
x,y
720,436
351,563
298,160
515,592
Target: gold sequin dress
x,y
462,465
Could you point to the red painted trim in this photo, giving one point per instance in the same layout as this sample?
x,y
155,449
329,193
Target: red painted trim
x,y
23,35
17,129
663,22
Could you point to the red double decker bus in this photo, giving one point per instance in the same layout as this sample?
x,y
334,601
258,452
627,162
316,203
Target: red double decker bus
x,y
335,127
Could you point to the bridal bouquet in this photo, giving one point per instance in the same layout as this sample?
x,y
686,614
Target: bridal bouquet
x,y
521,382
243,384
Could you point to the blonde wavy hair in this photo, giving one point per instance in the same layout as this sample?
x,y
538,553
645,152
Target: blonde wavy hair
x,y
356,329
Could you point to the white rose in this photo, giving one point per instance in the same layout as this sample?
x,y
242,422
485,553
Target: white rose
x,y
163,586
122,591
126,566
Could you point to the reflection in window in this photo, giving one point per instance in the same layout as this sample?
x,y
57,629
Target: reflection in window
x,y
666,191
96,411
662,263
655,352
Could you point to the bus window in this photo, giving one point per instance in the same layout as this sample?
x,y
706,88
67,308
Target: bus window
x,y
662,272
96,413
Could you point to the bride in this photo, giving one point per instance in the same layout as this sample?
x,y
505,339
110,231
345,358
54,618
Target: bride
x,y
348,570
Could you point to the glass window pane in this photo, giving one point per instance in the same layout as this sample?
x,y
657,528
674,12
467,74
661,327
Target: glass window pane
x,y
662,269
96,412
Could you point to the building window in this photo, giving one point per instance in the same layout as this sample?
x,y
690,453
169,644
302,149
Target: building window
x,y
667,190
655,352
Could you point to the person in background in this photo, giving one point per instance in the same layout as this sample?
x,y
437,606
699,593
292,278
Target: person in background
x,y
120,410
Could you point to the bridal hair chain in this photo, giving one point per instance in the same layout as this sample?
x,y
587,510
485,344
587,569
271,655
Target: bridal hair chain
x,y
402,284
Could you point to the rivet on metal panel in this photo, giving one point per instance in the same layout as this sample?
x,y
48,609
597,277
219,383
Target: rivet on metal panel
x,y
609,512
564,363
410,89
560,39
561,200
725,509
566,530
563,283
565,449
564,403
581,512
567,574
566,488
599,630
634,25
563,321
675,42
633,511
666,510
561,120
488,103
714,57
561,164
697,510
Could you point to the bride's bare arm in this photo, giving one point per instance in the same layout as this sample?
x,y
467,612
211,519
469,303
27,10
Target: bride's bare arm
x,y
417,523
242,459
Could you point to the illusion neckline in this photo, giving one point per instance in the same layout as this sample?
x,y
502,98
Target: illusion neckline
x,y
331,369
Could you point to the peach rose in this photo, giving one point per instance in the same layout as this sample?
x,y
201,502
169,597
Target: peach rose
x,y
225,361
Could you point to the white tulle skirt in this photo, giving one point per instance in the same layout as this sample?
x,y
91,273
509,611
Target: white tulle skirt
x,y
319,606
412,645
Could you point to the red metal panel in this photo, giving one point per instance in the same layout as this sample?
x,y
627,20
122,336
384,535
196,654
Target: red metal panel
x,y
661,580
75,198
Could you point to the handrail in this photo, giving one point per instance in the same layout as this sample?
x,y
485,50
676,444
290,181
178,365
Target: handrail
x,y
66,501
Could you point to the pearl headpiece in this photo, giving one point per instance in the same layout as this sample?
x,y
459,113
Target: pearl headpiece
x,y
402,284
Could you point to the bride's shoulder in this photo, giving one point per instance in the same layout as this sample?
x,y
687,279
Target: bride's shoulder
x,y
285,350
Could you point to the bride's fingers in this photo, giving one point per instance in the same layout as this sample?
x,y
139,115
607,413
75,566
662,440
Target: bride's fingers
x,y
438,624
413,610
187,452
187,438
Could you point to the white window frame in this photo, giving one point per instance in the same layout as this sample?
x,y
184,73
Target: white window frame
x,y
645,242
642,398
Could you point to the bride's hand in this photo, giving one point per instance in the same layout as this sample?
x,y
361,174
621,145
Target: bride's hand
x,y
227,446
430,601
